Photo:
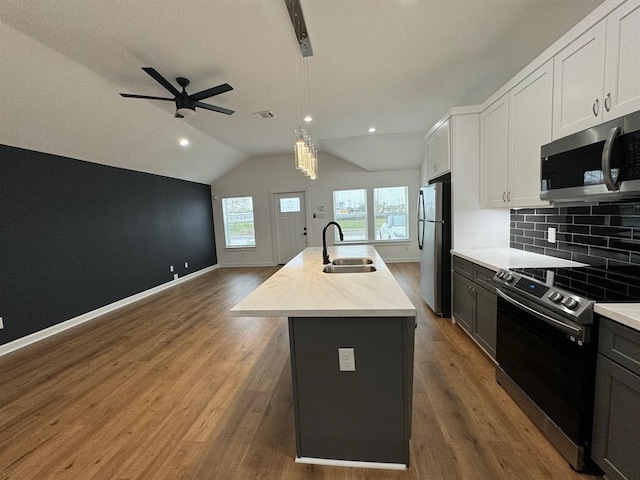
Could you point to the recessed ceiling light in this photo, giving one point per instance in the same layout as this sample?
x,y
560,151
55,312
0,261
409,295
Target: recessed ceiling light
x,y
308,118
184,142
372,129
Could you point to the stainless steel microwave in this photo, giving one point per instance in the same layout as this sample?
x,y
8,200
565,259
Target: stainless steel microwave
x,y
600,163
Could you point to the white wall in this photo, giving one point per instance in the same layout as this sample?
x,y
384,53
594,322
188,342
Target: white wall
x,y
52,104
264,176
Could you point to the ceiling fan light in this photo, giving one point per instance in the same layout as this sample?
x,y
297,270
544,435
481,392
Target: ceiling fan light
x,y
186,112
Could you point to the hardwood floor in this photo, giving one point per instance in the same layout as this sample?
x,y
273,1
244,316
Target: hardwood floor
x,y
174,388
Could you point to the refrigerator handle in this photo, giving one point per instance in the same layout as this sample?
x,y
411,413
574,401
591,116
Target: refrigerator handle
x,y
420,219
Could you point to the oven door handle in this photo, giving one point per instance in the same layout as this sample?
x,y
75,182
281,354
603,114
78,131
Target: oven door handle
x,y
577,331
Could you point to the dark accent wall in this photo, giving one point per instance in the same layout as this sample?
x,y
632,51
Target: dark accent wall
x,y
605,234
76,236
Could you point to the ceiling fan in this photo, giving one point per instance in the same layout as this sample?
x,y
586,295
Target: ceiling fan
x,y
185,104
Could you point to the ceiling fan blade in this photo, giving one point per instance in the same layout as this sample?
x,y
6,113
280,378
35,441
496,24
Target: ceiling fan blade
x,y
161,80
210,92
206,106
131,95
177,115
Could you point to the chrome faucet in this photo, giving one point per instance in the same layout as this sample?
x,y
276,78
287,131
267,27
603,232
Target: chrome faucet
x,y
325,255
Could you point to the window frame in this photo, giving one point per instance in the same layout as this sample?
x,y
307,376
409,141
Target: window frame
x,y
371,234
406,214
226,224
366,215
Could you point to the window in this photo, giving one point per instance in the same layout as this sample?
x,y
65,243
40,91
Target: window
x,y
350,211
237,214
290,205
391,213
388,220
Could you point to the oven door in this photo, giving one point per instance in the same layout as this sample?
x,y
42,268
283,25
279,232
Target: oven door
x,y
541,356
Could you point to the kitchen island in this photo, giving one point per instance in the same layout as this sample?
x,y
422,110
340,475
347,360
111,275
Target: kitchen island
x,y
352,407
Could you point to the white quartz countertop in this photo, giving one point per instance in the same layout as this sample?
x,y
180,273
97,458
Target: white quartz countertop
x,y
497,258
626,313
302,289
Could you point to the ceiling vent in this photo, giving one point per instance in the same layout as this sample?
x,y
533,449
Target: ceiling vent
x,y
265,114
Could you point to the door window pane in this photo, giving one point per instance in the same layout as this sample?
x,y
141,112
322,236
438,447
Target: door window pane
x,y
289,205
350,211
391,214
238,222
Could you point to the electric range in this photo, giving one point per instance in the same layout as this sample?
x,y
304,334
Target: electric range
x,y
546,345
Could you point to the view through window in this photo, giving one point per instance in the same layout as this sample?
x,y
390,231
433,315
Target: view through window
x,y
350,211
391,216
237,215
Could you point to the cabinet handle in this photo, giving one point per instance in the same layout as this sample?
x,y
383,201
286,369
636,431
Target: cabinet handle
x,y
509,196
504,196
596,107
607,102
470,291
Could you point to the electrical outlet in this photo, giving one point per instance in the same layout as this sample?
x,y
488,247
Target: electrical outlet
x,y
1,323
186,264
551,235
175,276
171,268
347,359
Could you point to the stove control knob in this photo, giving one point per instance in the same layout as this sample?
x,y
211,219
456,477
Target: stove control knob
x,y
556,297
500,274
508,277
570,303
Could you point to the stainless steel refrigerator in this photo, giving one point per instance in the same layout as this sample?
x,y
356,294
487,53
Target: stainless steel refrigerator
x,y
434,241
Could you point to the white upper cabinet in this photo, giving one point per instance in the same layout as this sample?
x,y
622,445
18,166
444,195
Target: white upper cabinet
x,y
578,83
494,154
512,130
597,76
530,115
438,151
622,72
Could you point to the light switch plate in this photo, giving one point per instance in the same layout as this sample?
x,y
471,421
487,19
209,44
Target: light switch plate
x,y
551,235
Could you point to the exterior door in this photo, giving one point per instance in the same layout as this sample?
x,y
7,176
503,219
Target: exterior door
x,y
291,224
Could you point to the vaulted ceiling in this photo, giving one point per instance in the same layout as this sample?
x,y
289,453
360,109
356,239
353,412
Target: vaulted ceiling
x,y
396,65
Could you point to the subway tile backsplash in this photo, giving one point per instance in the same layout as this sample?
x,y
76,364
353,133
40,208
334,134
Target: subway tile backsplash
x,y
605,234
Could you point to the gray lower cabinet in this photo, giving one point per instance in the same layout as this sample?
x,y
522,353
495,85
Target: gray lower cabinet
x,y
463,303
361,415
616,428
474,302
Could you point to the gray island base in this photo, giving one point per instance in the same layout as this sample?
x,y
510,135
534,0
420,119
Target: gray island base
x,y
352,410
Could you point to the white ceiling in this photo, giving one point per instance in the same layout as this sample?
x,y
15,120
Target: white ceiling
x,y
398,65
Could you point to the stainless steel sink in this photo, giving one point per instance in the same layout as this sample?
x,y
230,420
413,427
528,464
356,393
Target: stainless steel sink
x,y
352,261
348,269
